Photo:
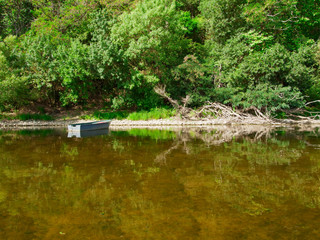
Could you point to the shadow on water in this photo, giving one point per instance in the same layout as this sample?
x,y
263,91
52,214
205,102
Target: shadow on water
x,y
191,183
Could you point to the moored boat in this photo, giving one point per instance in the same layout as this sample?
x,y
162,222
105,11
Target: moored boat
x,y
89,126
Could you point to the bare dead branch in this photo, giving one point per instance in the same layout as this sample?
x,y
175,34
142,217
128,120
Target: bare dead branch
x,y
213,110
311,102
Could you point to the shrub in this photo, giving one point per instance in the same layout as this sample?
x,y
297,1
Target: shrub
x,y
14,90
72,67
268,98
249,59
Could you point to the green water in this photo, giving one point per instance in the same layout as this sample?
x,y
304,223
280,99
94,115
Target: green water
x,y
237,183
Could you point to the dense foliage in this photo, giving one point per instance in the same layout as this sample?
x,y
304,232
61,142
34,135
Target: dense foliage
x,y
66,53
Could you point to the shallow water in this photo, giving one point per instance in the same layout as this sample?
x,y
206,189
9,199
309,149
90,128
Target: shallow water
x,y
237,183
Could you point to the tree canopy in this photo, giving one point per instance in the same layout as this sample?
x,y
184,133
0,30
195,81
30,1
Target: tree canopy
x,y
67,53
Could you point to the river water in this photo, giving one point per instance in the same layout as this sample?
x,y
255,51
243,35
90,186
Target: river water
x,y
215,183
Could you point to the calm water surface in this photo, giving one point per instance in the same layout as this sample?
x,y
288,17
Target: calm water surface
x,y
160,184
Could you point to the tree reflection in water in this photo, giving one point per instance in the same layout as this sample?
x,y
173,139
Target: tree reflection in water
x,y
219,183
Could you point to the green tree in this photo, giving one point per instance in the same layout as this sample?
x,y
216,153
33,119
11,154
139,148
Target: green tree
x,y
41,65
63,17
291,22
152,37
72,67
268,98
109,67
14,87
117,7
15,17
249,59
223,18
309,21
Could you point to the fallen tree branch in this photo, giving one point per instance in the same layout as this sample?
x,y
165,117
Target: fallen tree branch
x,y
312,102
183,110
214,110
210,110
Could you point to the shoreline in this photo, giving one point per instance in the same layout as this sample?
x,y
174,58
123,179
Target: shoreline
x,y
162,123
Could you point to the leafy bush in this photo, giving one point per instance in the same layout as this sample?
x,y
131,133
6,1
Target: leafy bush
x,y
13,86
241,63
223,18
14,92
72,67
137,93
152,38
152,35
190,78
41,64
268,98
223,94
109,66
15,17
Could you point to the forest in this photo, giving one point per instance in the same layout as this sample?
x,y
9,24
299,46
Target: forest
x,y
115,53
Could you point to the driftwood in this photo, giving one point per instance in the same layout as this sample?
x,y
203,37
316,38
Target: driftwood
x,y
214,110
299,112
183,110
210,110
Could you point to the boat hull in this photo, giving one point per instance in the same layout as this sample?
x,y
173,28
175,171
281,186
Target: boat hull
x,y
90,126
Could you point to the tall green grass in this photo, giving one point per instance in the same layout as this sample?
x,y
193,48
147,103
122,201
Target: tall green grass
x,y
29,116
3,117
119,115
155,113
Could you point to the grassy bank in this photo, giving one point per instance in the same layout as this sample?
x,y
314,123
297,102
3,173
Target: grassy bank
x,y
26,116
156,113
